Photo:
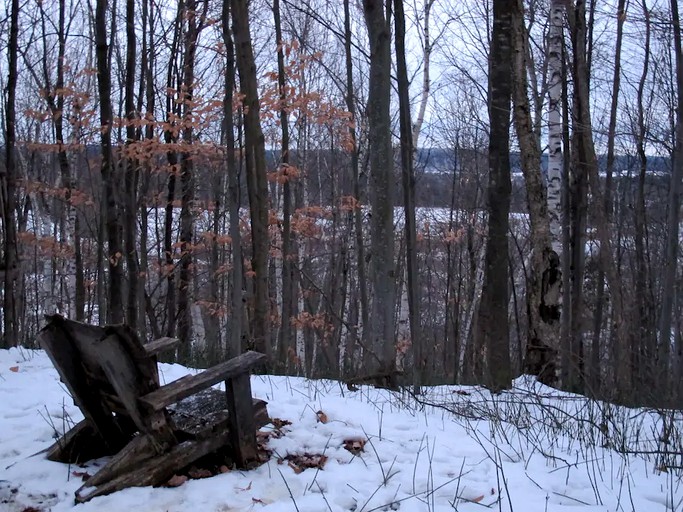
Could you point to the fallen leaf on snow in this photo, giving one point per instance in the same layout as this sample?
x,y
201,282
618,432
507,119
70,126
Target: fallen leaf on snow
x,y
278,423
197,473
299,463
14,369
176,481
84,475
355,446
322,417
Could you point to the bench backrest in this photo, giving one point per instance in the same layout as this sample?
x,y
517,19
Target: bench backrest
x,y
106,370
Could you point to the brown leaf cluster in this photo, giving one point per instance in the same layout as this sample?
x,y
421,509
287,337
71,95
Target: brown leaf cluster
x,y
355,446
299,463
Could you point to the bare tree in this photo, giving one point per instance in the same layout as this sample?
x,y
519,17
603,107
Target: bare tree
x,y
114,252
256,174
8,178
545,278
285,348
236,304
408,180
380,332
131,175
595,372
492,331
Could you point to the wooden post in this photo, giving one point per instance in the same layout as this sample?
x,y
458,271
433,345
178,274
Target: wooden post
x,y
241,419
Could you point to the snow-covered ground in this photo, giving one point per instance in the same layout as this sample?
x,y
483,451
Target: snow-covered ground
x,y
456,456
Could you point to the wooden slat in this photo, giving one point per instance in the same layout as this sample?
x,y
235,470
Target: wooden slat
x,y
130,379
191,384
140,449
65,357
145,363
80,444
155,347
241,419
122,374
156,470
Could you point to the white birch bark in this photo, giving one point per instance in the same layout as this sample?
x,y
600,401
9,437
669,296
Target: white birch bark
x,y
555,170
426,80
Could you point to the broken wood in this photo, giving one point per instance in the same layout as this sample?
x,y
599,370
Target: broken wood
x,y
65,357
155,470
156,347
191,384
114,380
241,419
80,444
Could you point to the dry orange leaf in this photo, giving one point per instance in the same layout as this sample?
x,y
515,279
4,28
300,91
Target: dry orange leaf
x,y
478,499
14,369
297,469
322,417
83,475
354,446
176,481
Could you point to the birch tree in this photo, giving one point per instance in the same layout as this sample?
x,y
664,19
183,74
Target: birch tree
x,y
555,158
545,277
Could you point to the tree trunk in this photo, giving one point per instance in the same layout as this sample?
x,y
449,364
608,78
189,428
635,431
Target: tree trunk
x,y
7,192
114,253
672,241
256,174
595,377
587,163
355,168
130,227
555,159
380,332
643,343
236,304
285,347
195,22
408,180
492,329
426,80
545,277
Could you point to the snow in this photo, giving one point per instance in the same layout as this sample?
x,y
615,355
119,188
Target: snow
x,y
513,451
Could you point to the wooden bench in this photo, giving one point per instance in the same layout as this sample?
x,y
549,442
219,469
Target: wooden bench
x,y
151,431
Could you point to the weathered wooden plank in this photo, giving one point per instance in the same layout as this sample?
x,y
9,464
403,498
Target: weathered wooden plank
x,y
261,416
124,377
130,381
80,444
67,360
206,412
146,365
191,384
156,470
141,448
156,347
241,425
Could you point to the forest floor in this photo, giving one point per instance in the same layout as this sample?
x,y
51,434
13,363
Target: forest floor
x,y
455,448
